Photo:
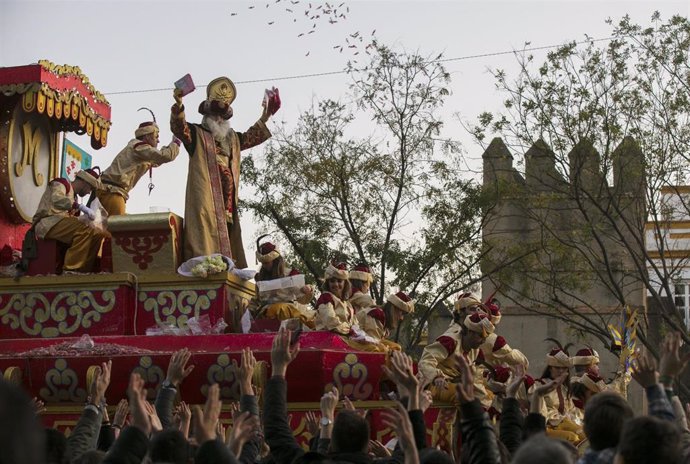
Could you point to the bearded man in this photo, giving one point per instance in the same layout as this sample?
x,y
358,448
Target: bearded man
x,y
211,222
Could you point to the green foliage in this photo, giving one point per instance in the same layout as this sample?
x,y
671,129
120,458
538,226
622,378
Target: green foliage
x,y
391,198
598,98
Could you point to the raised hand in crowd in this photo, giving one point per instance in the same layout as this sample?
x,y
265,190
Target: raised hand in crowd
x,y
185,418
399,421
402,373
349,406
177,367
156,425
121,412
515,383
312,423
671,362
136,393
244,427
465,388
644,369
246,371
234,407
378,450
205,419
282,353
38,405
329,401
100,383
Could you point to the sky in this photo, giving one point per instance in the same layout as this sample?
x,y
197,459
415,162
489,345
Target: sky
x,y
130,48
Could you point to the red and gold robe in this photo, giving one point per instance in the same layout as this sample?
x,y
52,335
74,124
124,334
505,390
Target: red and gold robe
x,y
211,222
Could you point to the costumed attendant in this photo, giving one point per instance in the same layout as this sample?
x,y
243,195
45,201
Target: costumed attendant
x,y
462,338
583,388
140,155
382,323
56,219
211,221
333,311
281,304
496,349
587,360
557,406
360,281
498,378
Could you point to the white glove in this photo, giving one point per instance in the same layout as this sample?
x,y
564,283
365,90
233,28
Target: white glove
x,y
88,211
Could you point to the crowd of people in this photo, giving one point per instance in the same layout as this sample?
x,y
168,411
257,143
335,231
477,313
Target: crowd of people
x,y
169,431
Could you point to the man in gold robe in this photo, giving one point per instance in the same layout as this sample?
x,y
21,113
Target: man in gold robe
x,y
211,221
140,155
56,219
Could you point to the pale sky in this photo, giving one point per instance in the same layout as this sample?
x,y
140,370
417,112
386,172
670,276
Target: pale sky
x,y
140,45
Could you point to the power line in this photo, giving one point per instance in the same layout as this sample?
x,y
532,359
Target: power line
x,y
332,73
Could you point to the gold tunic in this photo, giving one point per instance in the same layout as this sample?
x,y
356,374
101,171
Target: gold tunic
x,y
205,231
132,163
56,203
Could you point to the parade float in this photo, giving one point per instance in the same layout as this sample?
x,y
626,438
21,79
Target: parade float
x,y
54,329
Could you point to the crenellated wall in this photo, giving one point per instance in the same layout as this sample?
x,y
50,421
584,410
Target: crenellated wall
x,y
566,234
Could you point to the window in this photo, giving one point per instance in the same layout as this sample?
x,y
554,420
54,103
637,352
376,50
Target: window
x,y
682,300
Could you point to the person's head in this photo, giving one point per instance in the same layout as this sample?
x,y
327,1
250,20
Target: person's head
x,y
56,443
397,306
148,132
272,263
586,360
648,440
23,439
476,327
394,316
605,415
220,93
350,433
558,362
86,181
465,304
361,277
169,446
543,450
336,280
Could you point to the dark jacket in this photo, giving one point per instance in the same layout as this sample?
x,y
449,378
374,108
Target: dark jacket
x,y
84,437
511,425
252,448
129,448
478,435
214,452
165,401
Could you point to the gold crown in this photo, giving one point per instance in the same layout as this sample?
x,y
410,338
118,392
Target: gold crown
x,y
221,89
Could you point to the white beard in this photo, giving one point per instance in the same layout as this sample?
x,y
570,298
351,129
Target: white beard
x,y
219,127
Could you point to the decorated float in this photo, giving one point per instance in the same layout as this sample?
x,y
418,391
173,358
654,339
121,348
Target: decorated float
x,y
54,329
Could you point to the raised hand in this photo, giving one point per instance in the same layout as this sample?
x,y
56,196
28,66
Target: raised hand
x,y
39,406
671,362
516,381
244,427
177,95
137,400
205,420
644,369
177,367
156,425
282,354
398,420
100,383
312,423
121,414
246,371
185,418
377,449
